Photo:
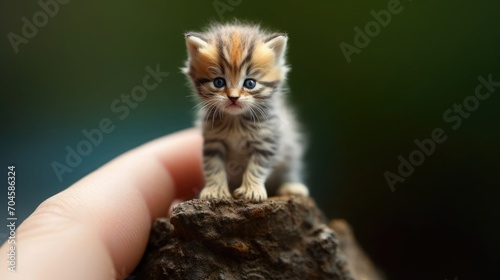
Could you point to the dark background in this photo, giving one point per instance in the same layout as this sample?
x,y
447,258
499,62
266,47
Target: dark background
x,y
360,116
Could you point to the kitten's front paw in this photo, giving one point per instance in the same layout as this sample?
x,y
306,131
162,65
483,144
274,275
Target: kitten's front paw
x,y
252,193
209,192
293,189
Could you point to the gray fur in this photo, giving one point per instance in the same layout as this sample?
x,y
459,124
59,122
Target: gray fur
x,y
261,146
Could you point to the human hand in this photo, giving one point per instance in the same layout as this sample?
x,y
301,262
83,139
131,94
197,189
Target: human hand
x,y
99,227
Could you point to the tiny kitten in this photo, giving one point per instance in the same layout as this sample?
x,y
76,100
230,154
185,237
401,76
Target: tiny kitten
x,y
251,140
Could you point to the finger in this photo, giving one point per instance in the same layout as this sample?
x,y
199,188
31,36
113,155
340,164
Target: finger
x,y
103,220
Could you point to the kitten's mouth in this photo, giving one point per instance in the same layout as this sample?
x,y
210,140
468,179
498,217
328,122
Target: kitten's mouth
x,y
234,108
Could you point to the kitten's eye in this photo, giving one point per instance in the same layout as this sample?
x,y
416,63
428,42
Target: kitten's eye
x,y
249,83
219,82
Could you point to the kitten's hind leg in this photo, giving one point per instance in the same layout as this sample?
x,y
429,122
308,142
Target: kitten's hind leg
x,y
291,183
293,189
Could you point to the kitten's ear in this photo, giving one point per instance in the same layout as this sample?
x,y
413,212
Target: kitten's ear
x,y
277,43
194,42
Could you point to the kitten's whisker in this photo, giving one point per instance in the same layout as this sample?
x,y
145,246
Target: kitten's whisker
x,y
201,105
206,104
261,110
213,116
202,102
267,108
220,115
211,107
252,114
212,111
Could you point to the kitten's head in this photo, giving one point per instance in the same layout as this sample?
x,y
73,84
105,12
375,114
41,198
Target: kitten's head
x,y
236,68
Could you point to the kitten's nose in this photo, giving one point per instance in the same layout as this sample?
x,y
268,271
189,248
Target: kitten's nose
x,y
233,98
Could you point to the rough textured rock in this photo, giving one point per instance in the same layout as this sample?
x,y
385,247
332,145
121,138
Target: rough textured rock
x,y
280,238
359,264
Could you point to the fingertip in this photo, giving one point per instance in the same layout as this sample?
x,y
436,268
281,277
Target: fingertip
x,y
187,174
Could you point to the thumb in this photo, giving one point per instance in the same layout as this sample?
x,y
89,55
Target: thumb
x,y
98,228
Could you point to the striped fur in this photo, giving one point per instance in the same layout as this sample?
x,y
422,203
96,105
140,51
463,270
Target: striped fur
x,y
251,139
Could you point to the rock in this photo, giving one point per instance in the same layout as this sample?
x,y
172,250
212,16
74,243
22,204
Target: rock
x,y
280,238
359,264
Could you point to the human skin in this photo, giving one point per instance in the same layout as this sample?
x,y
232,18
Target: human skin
x,y
99,227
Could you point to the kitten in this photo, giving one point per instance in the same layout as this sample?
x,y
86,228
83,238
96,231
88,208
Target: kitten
x,y
251,140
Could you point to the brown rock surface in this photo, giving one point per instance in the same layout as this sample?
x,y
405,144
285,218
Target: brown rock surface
x,y
280,238
359,264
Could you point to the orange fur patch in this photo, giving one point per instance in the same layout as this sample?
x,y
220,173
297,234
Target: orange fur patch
x,y
207,59
263,61
236,49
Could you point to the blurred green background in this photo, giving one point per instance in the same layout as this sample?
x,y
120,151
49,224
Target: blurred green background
x,y
441,223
